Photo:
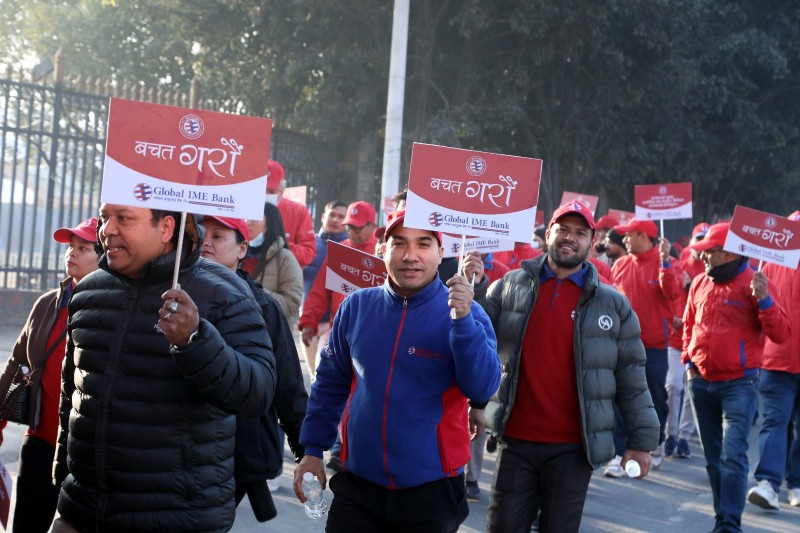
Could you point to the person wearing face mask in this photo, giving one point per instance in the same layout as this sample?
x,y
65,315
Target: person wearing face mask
x,y
271,263
296,218
729,315
40,347
258,456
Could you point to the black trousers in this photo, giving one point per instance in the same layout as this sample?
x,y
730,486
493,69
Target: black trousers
x,y
358,505
36,495
533,475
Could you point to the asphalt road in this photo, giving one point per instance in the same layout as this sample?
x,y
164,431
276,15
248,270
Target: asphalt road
x,y
674,498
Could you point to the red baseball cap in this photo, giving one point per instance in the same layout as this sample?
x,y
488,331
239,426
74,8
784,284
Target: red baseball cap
x,y
573,207
700,230
359,214
606,222
275,174
237,224
379,232
396,219
715,237
86,230
648,227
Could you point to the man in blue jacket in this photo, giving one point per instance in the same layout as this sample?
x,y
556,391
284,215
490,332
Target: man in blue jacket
x,y
397,371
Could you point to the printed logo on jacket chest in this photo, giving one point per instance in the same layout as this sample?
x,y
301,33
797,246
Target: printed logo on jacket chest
x,y
427,354
605,322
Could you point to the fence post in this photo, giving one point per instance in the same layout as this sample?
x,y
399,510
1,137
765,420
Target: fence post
x,y
52,163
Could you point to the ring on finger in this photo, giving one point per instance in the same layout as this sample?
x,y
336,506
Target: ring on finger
x,y
173,307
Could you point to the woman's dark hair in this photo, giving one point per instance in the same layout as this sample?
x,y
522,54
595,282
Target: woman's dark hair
x,y
274,230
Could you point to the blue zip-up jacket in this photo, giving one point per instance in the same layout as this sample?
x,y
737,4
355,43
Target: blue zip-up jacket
x,y
397,372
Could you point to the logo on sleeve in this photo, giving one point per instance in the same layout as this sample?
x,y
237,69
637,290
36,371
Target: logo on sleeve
x,y
605,322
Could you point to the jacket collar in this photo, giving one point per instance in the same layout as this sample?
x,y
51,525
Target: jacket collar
x,y
423,296
533,268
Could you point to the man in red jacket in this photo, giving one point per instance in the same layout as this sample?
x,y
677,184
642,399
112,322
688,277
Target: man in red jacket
x,y
727,317
296,218
647,277
780,394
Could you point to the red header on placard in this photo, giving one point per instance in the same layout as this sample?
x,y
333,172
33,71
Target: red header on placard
x,y
764,236
350,269
187,146
623,216
474,182
663,201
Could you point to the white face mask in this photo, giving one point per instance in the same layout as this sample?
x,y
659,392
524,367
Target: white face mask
x,y
273,199
258,241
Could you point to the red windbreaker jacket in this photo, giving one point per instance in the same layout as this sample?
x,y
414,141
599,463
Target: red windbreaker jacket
x,y
651,290
299,231
785,356
724,326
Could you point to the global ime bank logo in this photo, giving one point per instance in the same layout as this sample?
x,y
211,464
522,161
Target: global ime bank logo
x,y
435,219
476,166
191,126
142,192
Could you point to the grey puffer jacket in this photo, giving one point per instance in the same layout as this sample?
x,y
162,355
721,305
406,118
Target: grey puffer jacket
x,y
147,430
609,360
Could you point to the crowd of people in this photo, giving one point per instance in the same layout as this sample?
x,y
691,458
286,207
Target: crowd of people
x,y
159,406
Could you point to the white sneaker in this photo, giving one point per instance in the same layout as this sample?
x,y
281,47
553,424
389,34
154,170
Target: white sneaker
x,y
274,484
764,496
614,467
794,497
657,456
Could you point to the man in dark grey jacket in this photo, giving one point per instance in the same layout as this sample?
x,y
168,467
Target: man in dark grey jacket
x,y
152,379
570,348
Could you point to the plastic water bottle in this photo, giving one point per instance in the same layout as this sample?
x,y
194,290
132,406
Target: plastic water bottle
x,y
632,468
315,505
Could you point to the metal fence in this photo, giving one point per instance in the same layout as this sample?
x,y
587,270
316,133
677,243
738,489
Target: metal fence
x,y
52,147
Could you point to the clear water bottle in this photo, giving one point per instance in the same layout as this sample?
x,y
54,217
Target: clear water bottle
x,y
315,505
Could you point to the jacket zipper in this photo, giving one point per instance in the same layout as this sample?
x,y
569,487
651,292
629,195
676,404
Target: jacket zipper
x,y
386,395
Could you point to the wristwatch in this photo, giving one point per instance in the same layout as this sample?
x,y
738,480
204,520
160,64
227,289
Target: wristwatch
x,y
192,337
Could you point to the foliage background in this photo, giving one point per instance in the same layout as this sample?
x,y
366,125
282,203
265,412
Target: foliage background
x,y
609,93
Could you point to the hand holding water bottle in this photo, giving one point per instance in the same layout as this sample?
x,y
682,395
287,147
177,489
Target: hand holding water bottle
x,y
309,464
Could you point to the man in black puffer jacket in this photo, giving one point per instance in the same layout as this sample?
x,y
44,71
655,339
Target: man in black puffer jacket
x,y
152,379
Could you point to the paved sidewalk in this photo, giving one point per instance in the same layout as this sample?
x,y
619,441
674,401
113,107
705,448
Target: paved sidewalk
x,y
674,498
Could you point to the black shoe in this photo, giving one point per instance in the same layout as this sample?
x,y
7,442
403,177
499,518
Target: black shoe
x,y
473,491
491,444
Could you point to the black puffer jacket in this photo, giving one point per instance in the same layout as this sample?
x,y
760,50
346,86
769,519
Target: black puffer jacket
x,y
609,360
150,439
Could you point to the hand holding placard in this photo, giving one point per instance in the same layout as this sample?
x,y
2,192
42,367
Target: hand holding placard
x,y
461,295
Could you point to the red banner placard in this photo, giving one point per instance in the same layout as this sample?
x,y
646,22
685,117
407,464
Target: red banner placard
x,y
665,201
472,193
588,200
623,216
177,159
764,236
350,269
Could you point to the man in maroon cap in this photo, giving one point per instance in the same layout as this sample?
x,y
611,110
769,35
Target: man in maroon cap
x,y
401,361
570,348
647,278
296,218
728,316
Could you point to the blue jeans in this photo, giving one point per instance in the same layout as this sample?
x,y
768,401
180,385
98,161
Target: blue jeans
x,y
724,413
780,399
